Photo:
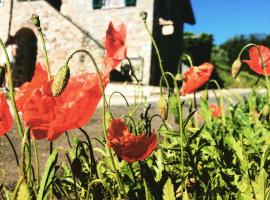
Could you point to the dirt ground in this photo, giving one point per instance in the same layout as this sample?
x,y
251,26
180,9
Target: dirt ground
x,y
8,168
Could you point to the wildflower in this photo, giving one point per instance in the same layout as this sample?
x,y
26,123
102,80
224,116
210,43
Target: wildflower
x,y
49,116
195,77
26,89
255,62
128,146
115,45
215,109
5,115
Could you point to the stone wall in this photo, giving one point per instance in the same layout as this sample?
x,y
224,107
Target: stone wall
x,y
79,26
96,21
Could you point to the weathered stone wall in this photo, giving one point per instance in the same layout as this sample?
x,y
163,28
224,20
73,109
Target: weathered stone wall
x,y
96,21
79,26
4,10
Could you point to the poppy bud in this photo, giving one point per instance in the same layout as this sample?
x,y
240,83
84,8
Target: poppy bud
x,y
265,110
163,107
178,77
35,20
108,118
236,67
204,95
143,16
60,81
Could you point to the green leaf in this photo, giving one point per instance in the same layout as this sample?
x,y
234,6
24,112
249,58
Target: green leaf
x,y
196,134
259,185
148,195
188,118
24,192
168,191
48,175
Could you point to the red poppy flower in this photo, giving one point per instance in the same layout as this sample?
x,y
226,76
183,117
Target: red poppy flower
x,y
255,62
127,146
5,115
49,116
215,109
195,77
26,89
115,45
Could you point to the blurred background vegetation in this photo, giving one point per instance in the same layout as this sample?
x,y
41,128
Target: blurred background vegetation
x,y
201,49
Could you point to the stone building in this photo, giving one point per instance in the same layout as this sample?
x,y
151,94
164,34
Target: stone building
x,y
69,25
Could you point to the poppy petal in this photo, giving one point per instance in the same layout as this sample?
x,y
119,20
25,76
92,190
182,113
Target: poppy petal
x,y
128,146
5,115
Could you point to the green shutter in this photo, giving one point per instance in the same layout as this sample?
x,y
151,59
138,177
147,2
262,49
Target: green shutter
x,y
97,4
130,2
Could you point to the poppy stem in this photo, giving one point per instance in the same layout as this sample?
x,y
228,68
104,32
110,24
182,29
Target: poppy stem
x,y
74,180
37,162
68,139
11,90
157,52
91,152
116,92
188,58
14,150
221,105
181,130
41,36
195,108
104,103
132,71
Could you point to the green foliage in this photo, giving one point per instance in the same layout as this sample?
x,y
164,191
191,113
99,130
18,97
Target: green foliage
x,y
48,176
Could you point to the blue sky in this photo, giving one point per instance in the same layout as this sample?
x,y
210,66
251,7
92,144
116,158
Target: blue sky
x,y
227,18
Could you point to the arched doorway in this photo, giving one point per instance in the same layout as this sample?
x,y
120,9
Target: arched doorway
x,y
55,3
26,55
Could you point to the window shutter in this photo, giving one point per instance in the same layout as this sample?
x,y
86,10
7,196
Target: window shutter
x,y
97,4
130,2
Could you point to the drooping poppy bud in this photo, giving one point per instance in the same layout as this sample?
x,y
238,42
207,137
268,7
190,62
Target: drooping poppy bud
x,y
35,20
61,80
265,110
178,77
163,107
143,15
236,67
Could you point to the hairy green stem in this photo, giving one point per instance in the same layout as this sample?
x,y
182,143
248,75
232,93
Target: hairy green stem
x,y
104,103
11,90
37,162
91,152
157,52
14,150
41,36
181,131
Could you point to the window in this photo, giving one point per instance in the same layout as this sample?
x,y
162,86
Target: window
x,y
1,2
98,4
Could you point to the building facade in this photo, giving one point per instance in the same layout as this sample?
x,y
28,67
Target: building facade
x,y
69,25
